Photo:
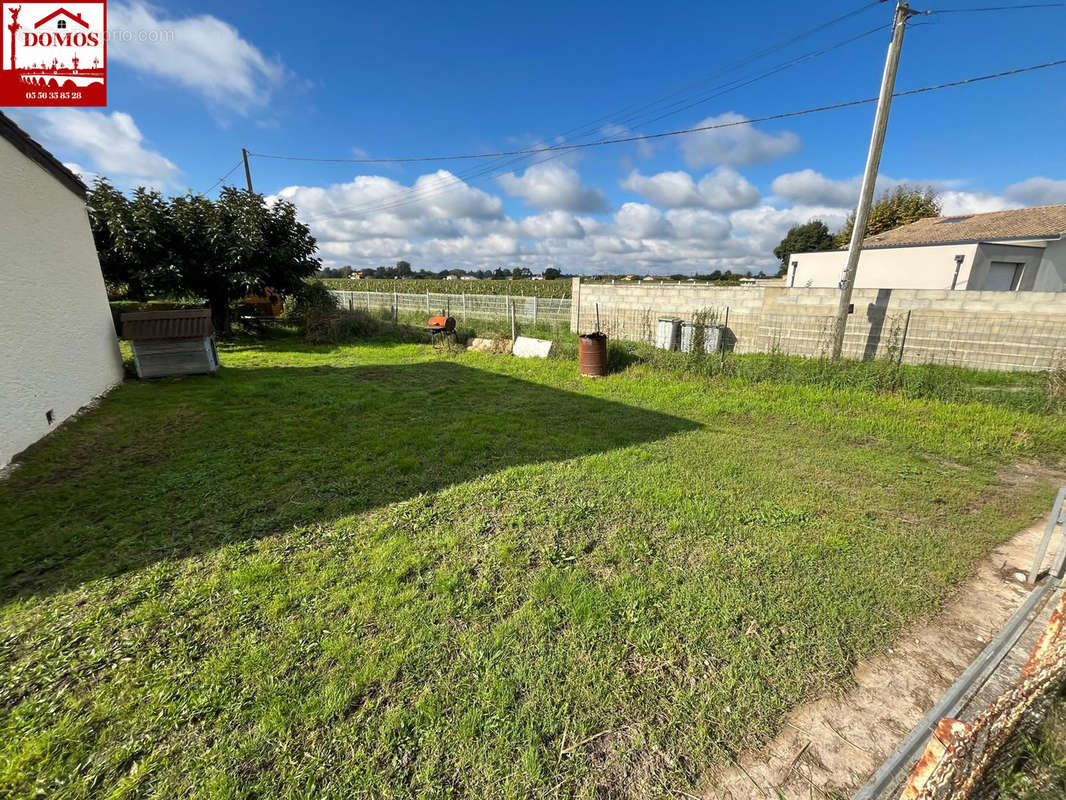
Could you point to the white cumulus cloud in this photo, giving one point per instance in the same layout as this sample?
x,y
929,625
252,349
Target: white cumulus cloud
x,y
201,53
554,185
736,145
766,225
640,221
723,189
111,143
809,186
955,202
1038,191
373,220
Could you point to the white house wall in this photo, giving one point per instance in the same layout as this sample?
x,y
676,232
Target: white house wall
x,y
987,252
1052,274
931,267
59,348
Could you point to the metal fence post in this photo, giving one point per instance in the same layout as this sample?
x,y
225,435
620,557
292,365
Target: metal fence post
x,y
427,301
725,329
351,302
903,338
395,307
534,311
577,302
464,306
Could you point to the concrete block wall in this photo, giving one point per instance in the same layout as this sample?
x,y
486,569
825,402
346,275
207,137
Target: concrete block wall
x,y
989,330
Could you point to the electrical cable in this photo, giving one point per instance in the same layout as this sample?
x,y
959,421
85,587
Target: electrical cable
x,y
216,183
735,123
594,127
462,179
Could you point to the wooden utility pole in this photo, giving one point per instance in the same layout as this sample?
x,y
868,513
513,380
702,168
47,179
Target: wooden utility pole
x,y
869,177
247,171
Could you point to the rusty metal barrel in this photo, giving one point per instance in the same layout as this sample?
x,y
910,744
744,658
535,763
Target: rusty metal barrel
x,y
592,354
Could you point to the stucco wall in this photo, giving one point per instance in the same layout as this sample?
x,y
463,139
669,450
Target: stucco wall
x,y
894,267
1030,257
58,342
1052,274
932,267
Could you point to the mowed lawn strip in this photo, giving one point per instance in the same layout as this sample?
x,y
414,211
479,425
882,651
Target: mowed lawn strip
x,y
381,571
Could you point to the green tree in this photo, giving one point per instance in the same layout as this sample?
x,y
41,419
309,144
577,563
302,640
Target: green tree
x,y
133,240
403,269
900,206
220,251
551,274
807,238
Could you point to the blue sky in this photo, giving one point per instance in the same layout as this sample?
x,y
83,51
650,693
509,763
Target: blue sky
x,y
193,83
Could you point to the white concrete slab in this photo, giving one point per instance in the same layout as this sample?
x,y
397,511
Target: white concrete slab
x,y
526,347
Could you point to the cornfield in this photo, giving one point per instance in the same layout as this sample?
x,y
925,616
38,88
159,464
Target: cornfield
x,y
526,288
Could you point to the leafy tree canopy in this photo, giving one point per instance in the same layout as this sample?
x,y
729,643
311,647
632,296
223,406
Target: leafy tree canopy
x,y
807,238
900,206
218,250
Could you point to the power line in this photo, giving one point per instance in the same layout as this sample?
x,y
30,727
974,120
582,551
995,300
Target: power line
x,y
561,149
739,63
633,112
678,132
1024,7
583,131
490,170
216,183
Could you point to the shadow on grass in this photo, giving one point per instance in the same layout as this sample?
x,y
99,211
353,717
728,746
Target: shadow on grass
x,y
168,469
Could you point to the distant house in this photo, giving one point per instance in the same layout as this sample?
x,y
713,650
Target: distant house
x,y
1019,250
59,344
468,278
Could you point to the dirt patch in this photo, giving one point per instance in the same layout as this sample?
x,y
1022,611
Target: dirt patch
x,y
1030,472
827,748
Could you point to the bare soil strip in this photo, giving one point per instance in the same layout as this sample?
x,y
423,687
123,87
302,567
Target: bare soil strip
x,y
828,747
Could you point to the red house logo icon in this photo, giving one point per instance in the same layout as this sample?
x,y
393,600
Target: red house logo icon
x,y
53,54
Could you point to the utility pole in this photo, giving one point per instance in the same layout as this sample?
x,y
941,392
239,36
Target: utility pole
x,y
869,177
247,170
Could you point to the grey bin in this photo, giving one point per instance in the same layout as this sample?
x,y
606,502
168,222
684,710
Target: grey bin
x,y
668,333
712,337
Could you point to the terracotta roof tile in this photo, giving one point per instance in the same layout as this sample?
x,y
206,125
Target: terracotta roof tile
x,y
1042,222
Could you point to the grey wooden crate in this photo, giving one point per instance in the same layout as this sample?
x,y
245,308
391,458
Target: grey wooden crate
x,y
157,358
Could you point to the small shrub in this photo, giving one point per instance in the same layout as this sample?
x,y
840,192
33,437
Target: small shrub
x,y
1055,381
312,301
339,326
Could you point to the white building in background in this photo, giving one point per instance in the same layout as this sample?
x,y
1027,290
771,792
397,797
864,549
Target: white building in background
x,y
58,348
1019,250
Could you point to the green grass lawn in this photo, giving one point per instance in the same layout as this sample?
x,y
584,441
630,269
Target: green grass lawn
x,y
381,571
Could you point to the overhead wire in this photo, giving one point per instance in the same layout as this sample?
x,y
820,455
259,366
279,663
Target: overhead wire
x,y
415,196
588,129
549,152
220,180
977,9
765,118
